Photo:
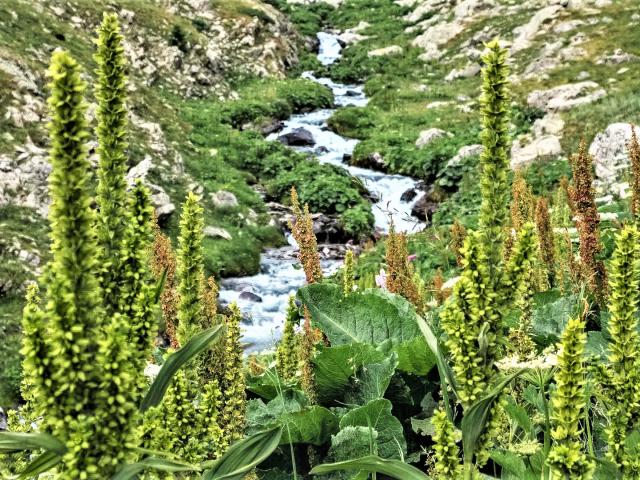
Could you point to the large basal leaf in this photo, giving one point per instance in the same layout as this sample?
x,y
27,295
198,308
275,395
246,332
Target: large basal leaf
x,y
334,367
392,468
377,415
268,384
415,357
551,312
151,463
300,424
372,381
371,316
243,456
313,425
17,442
196,345
477,416
352,442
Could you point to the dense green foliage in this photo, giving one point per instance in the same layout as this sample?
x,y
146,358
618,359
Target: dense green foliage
x,y
516,367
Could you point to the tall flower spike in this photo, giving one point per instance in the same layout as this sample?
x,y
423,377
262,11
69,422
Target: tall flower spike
x,y
634,158
211,362
73,375
400,275
136,300
164,263
33,348
287,355
566,458
302,231
347,274
522,202
232,419
190,269
111,114
494,159
545,239
582,195
624,371
447,454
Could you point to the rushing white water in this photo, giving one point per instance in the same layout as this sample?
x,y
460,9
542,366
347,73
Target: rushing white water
x,y
280,275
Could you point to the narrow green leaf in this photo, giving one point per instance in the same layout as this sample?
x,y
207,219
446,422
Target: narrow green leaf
x,y
41,464
160,286
520,416
446,375
476,417
244,456
373,464
196,345
152,463
17,442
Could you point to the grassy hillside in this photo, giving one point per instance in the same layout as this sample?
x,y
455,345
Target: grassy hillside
x,y
204,78
415,89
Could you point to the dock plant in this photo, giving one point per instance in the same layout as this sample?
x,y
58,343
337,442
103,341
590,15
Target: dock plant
x,y
582,194
634,160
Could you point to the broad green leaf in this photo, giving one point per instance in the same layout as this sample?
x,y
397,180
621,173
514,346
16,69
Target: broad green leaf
x,y
196,345
520,416
372,381
597,345
371,316
415,356
334,367
605,470
477,416
377,415
313,425
374,464
18,442
260,415
42,463
268,384
244,456
422,426
151,463
513,464
551,312
352,442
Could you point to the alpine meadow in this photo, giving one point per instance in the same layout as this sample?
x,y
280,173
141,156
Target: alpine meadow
x,y
319,239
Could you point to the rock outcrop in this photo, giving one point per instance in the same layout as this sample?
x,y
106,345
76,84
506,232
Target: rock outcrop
x,y
610,155
566,97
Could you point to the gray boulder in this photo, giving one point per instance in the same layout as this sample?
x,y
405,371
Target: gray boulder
x,y
223,199
298,137
610,154
565,97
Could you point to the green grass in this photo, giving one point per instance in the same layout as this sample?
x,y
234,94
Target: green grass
x,y
10,308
